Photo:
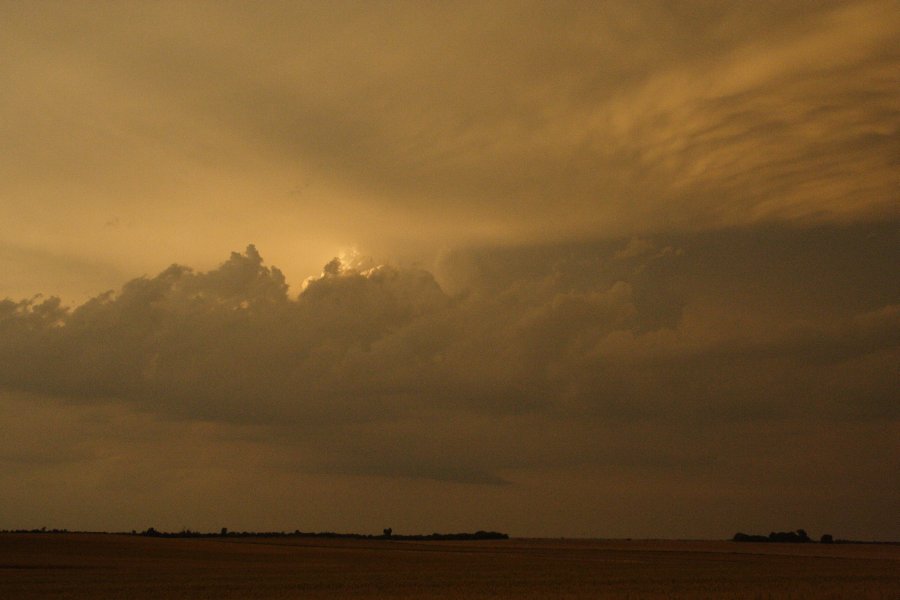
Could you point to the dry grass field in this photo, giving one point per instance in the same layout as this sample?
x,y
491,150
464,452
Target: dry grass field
x,y
115,566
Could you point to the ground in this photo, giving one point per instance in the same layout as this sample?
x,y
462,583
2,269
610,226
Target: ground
x,y
120,566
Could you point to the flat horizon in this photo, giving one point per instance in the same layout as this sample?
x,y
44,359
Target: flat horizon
x,y
112,566
421,535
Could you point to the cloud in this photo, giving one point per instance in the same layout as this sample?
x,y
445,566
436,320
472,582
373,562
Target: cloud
x,y
664,235
787,127
381,371
789,118
496,123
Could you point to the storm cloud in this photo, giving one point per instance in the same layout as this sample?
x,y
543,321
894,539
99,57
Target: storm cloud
x,y
376,370
403,128
603,268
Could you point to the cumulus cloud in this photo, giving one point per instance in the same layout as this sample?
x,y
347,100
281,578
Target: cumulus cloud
x,y
381,371
223,344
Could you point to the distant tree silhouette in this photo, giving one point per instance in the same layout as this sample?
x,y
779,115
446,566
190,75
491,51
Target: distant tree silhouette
x,y
799,536
789,536
827,539
388,533
744,537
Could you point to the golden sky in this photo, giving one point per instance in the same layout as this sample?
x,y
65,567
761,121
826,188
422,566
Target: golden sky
x,y
604,268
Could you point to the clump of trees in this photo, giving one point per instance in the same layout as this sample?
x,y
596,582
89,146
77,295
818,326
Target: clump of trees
x,y
386,534
41,530
791,537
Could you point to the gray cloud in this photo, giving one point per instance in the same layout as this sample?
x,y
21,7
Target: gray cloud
x,y
378,370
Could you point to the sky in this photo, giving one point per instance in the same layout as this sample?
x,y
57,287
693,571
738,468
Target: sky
x,y
595,269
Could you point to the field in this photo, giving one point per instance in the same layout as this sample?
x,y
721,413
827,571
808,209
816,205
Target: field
x,y
116,566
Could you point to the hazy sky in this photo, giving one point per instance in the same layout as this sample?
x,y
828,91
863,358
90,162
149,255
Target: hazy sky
x,y
604,268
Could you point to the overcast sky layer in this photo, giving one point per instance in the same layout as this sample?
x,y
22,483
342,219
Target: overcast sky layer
x,y
582,269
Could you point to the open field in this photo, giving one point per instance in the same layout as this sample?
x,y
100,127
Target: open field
x,y
116,566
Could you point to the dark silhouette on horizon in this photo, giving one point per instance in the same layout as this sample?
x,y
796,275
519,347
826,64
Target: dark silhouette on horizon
x,y
387,533
791,537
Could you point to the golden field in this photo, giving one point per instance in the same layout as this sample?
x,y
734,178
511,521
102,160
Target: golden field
x,y
121,566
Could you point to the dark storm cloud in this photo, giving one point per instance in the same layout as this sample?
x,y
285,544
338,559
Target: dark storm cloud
x,y
230,343
791,118
380,371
